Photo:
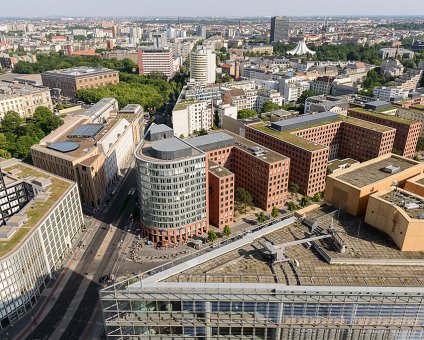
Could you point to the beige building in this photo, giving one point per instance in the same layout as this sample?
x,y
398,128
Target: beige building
x,y
71,80
399,214
23,99
93,154
351,188
412,114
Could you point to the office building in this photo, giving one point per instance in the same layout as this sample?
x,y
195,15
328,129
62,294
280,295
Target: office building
x,y
261,171
70,81
350,189
23,99
310,141
203,66
41,222
205,173
152,60
93,150
407,131
280,29
201,32
172,187
285,280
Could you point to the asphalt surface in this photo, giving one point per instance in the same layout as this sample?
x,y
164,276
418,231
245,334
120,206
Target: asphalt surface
x,y
80,320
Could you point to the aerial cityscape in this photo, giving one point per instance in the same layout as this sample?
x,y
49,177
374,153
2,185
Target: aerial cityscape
x,y
212,171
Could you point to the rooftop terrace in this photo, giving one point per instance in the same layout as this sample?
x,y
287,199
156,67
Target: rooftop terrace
x,y
371,259
35,210
371,172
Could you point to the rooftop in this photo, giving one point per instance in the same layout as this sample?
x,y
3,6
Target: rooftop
x,y
410,203
80,71
371,258
303,121
217,170
35,210
371,172
387,117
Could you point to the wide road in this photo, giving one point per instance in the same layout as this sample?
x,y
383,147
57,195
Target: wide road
x,y
89,266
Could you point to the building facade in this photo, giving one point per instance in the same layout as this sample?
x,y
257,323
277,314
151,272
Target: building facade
x,y
151,60
280,29
23,99
93,150
203,66
310,148
407,131
45,227
70,81
172,187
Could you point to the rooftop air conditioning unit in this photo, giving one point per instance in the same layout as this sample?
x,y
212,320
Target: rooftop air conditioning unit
x,y
391,169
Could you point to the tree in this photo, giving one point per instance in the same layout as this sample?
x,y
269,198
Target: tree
x,y
246,113
270,106
23,145
293,188
304,201
316,197
46,120
420,143
226,231
243,200
261,217
274,212
292,206
305,95
212,236
5,154
11,121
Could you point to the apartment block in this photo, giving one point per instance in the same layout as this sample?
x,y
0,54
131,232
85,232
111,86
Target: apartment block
x,y
415,114
70,81
310,141
41,221
151,60
92,152
410,80
23,99
407,131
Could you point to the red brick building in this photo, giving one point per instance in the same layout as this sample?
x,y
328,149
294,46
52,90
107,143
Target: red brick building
x,y
262,172
311,141
407,131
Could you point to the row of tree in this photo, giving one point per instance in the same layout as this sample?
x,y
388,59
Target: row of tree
x,y
153,92
17,135
54,61
343,52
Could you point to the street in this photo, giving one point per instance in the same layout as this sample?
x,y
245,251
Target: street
x,y
72,311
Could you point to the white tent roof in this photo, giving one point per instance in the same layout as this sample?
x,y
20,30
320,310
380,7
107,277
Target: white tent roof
x,y
301,49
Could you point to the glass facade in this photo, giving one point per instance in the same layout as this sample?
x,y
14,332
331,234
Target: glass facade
x,y
168,311
172,194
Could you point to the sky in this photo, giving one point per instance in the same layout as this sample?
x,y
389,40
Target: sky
x,y
237,8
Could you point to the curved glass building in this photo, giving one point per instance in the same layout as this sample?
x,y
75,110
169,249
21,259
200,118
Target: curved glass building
x,y
171,181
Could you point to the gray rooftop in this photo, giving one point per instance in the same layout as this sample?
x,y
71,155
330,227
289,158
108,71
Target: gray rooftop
x,y
303,120
170,149
212,141
372,172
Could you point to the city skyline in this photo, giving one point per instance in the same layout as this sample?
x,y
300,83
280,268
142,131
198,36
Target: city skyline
x,y
79,8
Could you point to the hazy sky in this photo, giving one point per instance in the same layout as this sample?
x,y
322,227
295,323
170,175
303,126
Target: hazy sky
x,y
24,8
